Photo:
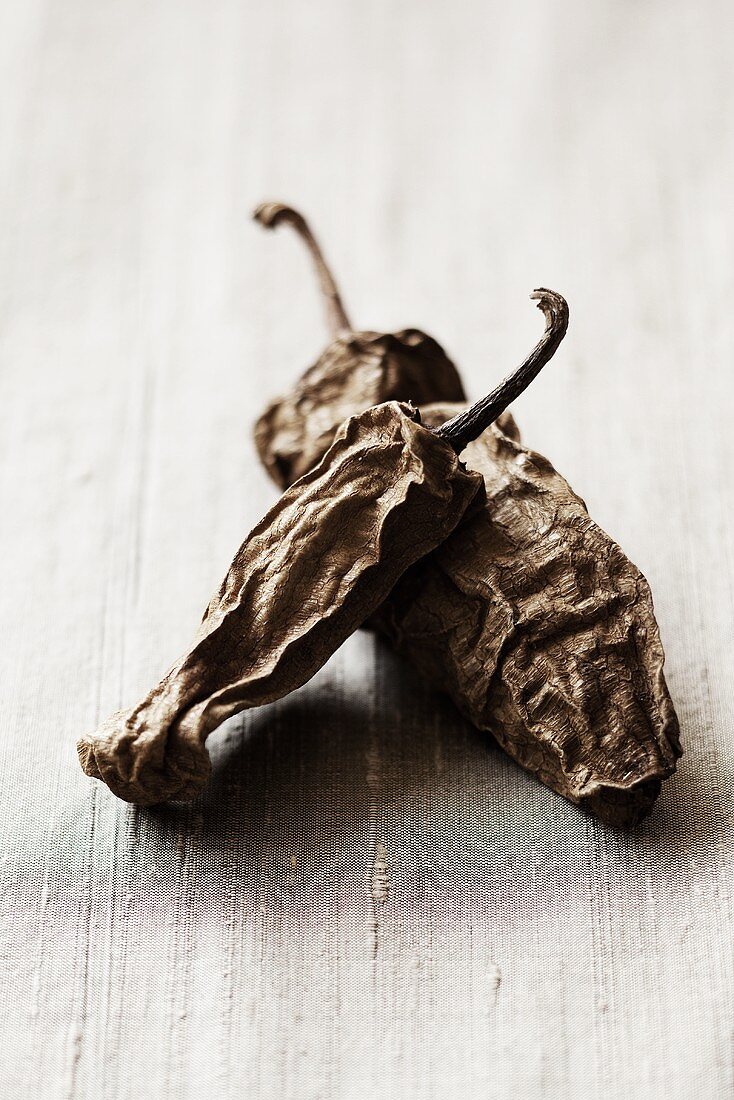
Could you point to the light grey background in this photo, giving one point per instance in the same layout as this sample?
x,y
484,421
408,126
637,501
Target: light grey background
x,y
369,901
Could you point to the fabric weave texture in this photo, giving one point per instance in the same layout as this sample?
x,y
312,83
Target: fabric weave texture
x,y
369,900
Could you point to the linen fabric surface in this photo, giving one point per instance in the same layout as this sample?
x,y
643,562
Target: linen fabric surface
x,y
369,900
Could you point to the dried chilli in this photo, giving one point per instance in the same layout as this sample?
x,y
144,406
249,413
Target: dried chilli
x,y
356,370
543,633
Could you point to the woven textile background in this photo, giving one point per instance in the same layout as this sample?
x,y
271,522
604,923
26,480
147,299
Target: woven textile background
x,y
369,901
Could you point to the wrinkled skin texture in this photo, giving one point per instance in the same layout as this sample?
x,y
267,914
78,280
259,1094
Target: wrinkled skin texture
x,y
530,616
307,576
358,369
543,633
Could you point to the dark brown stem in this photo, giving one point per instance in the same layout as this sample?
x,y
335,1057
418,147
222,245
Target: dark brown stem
x,y
465,427
272,214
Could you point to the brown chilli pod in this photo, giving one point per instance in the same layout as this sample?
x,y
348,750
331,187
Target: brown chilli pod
x,y
543,633
356,370
318,565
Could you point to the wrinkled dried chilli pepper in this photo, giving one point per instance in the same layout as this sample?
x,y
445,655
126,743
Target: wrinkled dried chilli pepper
x,y
356,370
311,572
543,632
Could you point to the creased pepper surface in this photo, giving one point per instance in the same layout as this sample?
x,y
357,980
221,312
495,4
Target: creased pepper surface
x,y
313,570
543,632
356,370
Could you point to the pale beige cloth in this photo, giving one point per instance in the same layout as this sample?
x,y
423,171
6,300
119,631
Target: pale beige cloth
x,y
369,902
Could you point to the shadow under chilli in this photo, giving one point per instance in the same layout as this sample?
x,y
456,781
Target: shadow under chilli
x,y
303,789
